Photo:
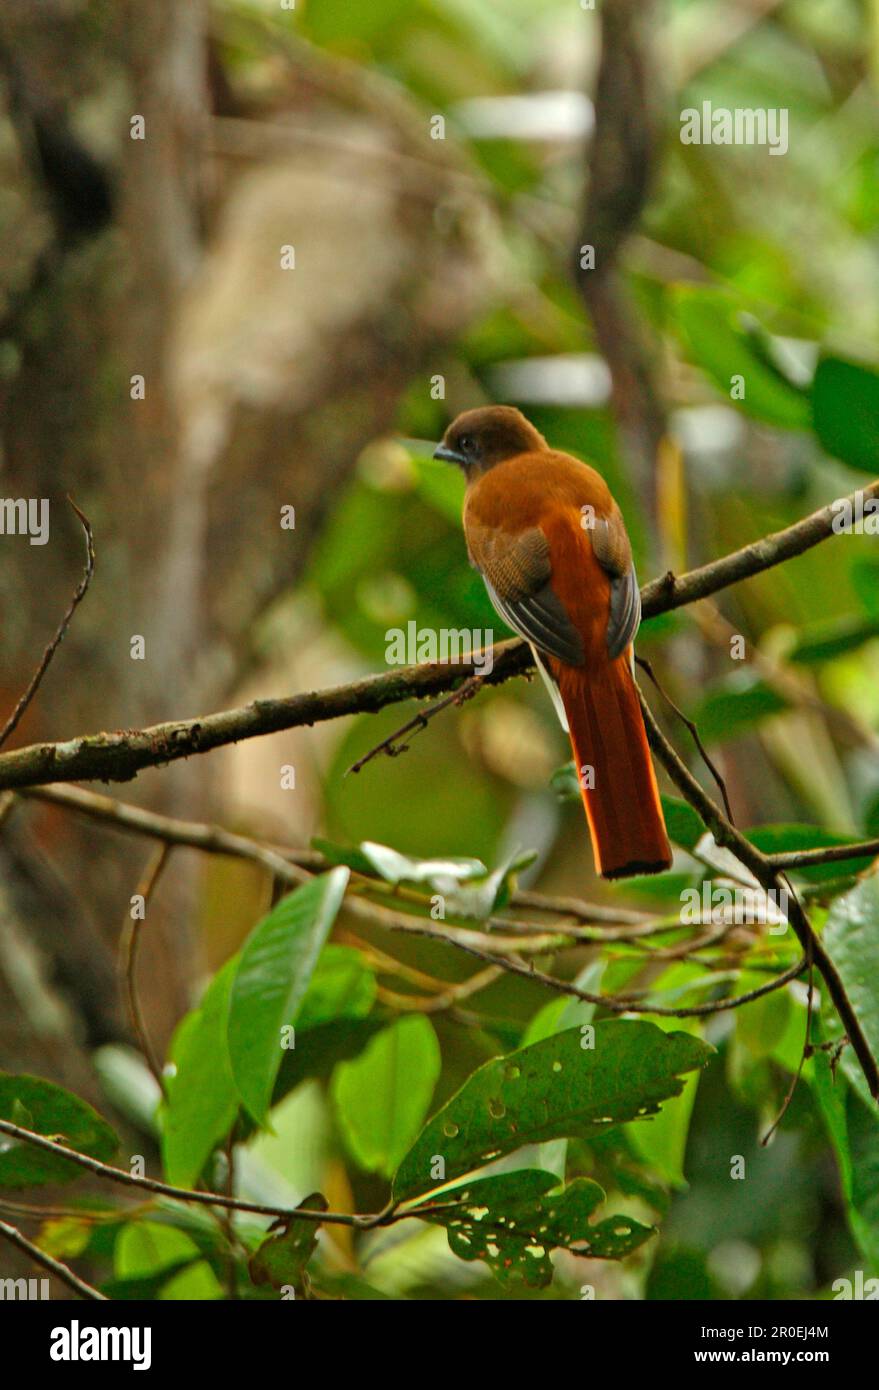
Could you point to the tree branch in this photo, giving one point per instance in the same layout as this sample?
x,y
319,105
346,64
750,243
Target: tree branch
x,y
61,1271
122,755
769,876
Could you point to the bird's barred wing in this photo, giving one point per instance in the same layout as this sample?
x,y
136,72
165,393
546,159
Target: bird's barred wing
x,y
614,553
517,570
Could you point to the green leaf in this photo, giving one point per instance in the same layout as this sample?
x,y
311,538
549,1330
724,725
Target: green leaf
x,y
789,837
342,986
851,938
202,1099
663,1142
39,1105
167,1259
683,824
851,1126
513,1222
145,1288
275,967
826,641
731,706
845,412
715,334
319,1049
558,1088
382,1096
283,1255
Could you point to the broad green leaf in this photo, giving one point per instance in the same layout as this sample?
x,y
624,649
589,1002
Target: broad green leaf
x,y
716,335
558,1088
274,969
202,1100
851,938
39,1105
733,705
863,1143
169,1258
663,1142
760,1026
281,1259
787,838
342,986
382,1097
845,412
851,1126
319,1049
146,1288
683,824
513,1222
826,641
555,1017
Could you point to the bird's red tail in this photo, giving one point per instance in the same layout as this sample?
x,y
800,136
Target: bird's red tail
x,y
615,769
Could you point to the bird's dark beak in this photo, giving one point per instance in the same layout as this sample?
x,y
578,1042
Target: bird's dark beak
x,y
442,451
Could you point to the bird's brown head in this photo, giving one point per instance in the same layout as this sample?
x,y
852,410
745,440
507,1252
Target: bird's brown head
x,y
480,438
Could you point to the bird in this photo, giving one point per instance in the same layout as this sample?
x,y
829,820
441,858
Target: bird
x,y
545,533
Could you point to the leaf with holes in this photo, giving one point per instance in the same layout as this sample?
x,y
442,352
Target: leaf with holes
x,y
513,1222
559,1088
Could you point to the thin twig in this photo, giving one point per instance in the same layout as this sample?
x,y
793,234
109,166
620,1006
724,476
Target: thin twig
x,y
60,1271
768,876
694,732
131,942
183,1194
392,746
12,722
804,1056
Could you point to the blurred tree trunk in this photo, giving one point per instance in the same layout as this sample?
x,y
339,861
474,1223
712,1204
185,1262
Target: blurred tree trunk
x,y
160,258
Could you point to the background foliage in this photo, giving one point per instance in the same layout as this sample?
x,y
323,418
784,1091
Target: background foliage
x,y
744,265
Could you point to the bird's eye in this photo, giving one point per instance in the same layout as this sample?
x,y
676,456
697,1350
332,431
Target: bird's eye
x,y
466,442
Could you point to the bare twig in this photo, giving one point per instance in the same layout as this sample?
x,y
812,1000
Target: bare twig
x,y
12,722
131,939
694,733
60,1271
398,742
768,876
